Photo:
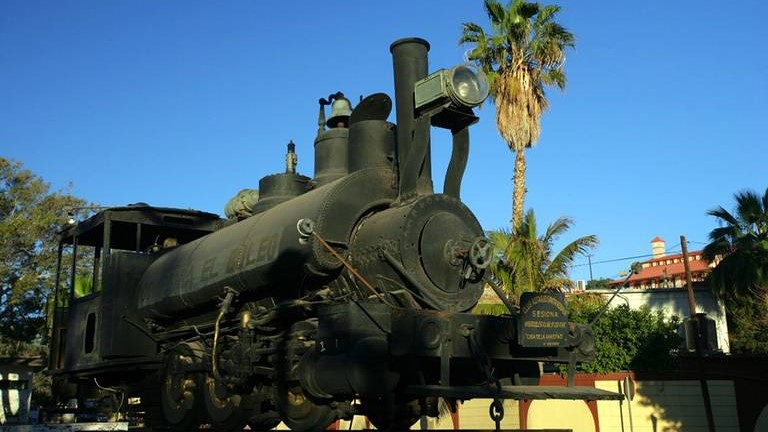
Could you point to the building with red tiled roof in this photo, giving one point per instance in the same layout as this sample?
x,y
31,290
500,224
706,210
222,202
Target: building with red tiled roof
x,y
667,271
660,285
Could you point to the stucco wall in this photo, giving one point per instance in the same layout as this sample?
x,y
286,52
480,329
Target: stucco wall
x,y
658,406
670,406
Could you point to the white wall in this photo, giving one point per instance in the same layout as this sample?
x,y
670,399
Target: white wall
x,y
674,301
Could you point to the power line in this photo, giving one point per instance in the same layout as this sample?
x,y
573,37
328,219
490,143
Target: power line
x,y
613,260
590,262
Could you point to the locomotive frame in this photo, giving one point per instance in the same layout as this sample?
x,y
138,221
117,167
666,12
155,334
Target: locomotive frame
x,y
342,294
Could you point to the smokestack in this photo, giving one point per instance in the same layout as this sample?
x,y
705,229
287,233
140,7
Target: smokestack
x,y
409,58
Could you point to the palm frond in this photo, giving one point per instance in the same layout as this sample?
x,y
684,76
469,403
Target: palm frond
x,y
471,32
495,11
739,246
556,228
546,15
554,77
720,243
749,208
526,260
526,10
723,214
564,260
765,201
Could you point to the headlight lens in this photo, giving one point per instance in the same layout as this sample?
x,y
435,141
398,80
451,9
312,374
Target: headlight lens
x,y
468,85
463,86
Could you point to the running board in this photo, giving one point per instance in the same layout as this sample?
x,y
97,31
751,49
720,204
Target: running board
x,y
520,392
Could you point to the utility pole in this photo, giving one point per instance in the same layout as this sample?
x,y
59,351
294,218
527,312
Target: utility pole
x,y
688,282
697,336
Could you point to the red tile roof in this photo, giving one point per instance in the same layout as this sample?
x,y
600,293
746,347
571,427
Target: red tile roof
x,y
663,270
657,239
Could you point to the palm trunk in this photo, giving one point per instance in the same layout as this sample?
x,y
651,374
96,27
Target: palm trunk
x,y
518,195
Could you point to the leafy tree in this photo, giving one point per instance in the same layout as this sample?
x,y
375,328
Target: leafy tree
x,y
602,283
627,339
30,218
739,246
523,54
528,262
748,324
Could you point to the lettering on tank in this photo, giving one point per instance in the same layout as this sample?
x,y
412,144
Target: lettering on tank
x,y
234,260
184,279
208,270
262,251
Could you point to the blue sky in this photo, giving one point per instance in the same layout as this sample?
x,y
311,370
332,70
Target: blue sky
x,y
183,103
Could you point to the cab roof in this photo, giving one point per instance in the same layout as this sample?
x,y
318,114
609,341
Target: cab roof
x,y
137,226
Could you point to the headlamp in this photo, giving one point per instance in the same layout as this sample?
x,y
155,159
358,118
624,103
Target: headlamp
x,y
463,85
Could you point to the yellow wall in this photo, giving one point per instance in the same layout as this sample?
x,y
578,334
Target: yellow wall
x,y
670,406
561,414
552,414
473,414
658,406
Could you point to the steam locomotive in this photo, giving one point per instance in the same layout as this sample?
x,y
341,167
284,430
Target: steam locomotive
x,y
317,298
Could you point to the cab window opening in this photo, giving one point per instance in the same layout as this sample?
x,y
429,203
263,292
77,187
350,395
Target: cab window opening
x,y
86,264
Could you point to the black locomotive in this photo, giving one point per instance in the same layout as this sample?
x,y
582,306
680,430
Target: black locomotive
x,y
346,293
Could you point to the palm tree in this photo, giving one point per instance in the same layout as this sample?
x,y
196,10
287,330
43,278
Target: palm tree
x,y
524,53
740,247
528,262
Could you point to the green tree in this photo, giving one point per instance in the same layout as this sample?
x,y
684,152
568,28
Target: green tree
x,y
528,261
748,324
739,246
627,339
523,54
602,283
30,218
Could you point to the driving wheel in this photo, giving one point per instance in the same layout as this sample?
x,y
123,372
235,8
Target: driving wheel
x,y
227,410
300,413
180,406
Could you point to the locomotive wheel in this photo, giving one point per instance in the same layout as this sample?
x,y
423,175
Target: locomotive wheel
x,y
389,413
227,411
301,414
181,409
180,406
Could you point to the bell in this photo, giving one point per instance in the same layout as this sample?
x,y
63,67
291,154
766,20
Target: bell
x,y
341,109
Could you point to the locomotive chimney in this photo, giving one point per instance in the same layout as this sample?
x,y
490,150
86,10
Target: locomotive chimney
x,y
409,57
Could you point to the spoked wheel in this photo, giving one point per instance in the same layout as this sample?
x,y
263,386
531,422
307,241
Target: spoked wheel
x,y
390,413
180,405
300,413
228,412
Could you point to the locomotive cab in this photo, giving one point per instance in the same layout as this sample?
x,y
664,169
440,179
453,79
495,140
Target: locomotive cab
x,y
99,262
